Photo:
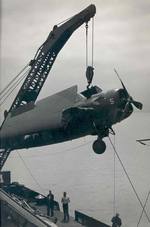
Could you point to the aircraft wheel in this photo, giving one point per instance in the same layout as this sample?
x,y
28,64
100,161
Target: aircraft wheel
x,y
99,146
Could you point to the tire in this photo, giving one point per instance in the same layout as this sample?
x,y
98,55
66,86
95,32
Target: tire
x,y
99,146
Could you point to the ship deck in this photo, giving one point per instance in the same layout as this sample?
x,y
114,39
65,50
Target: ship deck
x,y
21,204
59,216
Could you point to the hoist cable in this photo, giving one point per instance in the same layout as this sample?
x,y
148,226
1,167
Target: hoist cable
x,y
114,203
143,209
86,27
39,49
30,171
9,84
92,41
129,180
14,86
65,20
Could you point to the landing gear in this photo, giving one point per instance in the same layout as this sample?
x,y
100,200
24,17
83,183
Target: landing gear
x,y
99,146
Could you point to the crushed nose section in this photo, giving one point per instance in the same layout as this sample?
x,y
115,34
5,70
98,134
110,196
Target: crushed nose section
x,y
76,115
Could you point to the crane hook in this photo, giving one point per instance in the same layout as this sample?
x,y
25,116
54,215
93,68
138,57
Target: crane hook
x,y
89,75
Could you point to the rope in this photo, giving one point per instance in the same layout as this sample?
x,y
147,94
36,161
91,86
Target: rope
x,y
65,150
13,80
65,20
5,93
92,41
129,180
92,44
13,87
74,148
86,26
114,203
143,209
30,172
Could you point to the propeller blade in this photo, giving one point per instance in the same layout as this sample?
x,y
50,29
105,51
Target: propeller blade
x,y
121,82
138,105
127,110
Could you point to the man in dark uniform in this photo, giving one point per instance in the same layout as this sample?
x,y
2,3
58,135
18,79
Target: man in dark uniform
x,y
50,204
116,221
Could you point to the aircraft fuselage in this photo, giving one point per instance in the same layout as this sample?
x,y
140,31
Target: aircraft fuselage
x,y
60,117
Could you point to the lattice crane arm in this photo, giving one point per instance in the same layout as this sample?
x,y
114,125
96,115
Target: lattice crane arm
x,y
46,55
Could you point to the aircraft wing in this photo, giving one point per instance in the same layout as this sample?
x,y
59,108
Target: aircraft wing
x,y
65,97
46,113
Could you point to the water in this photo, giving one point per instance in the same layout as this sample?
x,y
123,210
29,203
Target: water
x,y
89,178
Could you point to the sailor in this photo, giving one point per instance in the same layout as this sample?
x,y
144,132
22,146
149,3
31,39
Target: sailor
x,y
116,221
65,203
50,204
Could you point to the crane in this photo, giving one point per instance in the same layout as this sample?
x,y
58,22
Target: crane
x,y
66,115
42,63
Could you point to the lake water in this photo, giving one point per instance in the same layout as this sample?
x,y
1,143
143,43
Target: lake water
x,y
89,178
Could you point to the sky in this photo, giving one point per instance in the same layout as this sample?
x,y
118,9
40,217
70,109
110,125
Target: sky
x,y
121,41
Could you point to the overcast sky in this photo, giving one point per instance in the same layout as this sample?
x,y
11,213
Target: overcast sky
x,y
121,40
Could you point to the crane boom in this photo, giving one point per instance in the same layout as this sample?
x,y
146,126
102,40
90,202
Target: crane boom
x,y
42,64
46,55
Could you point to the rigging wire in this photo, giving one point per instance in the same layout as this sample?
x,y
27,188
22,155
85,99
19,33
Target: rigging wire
x,y
30,172
65,20
92,41
114,203
86,51
65,150
143,209
92,44
89,68
9,84
129,179
74,148
13,87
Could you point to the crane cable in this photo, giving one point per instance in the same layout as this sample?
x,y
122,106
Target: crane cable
x,y
9,84
5,91
74,148
114,202
12,88
129,180
92,41
89,68
92,44
30,172
61,22
144,208
86,27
